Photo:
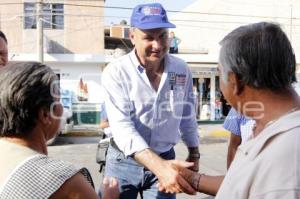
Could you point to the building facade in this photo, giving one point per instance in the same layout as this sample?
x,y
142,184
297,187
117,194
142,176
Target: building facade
x,y
73,39
203,24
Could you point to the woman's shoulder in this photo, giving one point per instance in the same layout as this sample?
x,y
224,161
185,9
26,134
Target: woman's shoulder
x,y
76,185
38,177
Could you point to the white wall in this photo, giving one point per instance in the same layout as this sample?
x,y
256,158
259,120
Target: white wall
x,y
204,31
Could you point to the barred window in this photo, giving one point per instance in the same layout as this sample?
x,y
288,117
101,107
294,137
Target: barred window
x,y
53,16
29,16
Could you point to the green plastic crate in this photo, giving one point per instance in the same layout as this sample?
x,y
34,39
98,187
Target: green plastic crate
x,y
86,113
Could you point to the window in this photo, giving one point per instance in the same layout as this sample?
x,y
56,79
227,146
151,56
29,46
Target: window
x,y
58,16
53,15
30,18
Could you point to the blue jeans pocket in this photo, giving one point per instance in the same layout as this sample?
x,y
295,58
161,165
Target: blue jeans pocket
x,y
114,154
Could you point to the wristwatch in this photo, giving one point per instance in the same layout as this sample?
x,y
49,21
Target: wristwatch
x,y
194,155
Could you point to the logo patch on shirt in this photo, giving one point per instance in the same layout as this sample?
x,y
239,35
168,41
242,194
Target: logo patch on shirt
x,y
180,79
140,68
172,78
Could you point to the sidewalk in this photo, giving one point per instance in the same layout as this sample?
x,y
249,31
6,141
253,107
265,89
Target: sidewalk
x,y
205,130
85,130
212,130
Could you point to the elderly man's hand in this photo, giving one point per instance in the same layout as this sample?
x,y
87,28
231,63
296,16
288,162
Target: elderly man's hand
x,y
170,180
191,177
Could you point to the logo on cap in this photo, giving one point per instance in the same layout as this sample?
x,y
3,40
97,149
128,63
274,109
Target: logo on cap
x,y
150,16
147,10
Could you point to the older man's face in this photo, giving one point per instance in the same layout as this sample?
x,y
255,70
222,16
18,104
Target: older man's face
x,y
3,53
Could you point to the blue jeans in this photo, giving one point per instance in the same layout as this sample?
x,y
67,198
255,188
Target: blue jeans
x,y
133,177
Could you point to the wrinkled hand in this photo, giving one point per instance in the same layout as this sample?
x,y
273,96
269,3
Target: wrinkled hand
x,y
110,188
191,177
195,167
170,180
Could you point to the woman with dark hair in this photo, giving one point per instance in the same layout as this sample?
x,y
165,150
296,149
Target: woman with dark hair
x,y
30,112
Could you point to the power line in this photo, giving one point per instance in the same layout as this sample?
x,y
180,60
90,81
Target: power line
x,y
245,3
126,17
170,11
122,17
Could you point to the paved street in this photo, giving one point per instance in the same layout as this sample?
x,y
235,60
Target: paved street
x,y
82,150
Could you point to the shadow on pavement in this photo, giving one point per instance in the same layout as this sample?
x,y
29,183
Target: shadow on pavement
x,y
67,140
213,140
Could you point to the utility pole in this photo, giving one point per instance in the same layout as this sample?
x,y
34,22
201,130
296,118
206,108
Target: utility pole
x,y
39,28
291,21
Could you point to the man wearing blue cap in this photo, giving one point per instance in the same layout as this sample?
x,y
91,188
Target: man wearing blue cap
x,y
150,106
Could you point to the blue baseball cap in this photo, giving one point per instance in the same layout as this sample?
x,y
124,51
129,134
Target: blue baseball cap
x,y
150,16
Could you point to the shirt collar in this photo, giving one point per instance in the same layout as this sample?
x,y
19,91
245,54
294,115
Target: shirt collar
x,y
136,62
282,125
139,67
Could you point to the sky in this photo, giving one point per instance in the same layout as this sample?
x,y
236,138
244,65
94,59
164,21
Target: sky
x,y
114,16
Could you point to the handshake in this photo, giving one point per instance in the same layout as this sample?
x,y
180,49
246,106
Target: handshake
x,y
182,177
178,177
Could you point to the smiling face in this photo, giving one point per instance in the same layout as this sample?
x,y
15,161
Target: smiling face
x,y
151,45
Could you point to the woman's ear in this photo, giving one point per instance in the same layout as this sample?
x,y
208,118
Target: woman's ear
x,y
44,116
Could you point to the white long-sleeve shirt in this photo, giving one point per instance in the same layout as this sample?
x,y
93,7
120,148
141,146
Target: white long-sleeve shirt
x,y
141,117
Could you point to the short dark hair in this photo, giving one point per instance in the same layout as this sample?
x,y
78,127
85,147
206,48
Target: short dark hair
x,y
261,56
25,88
2,35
